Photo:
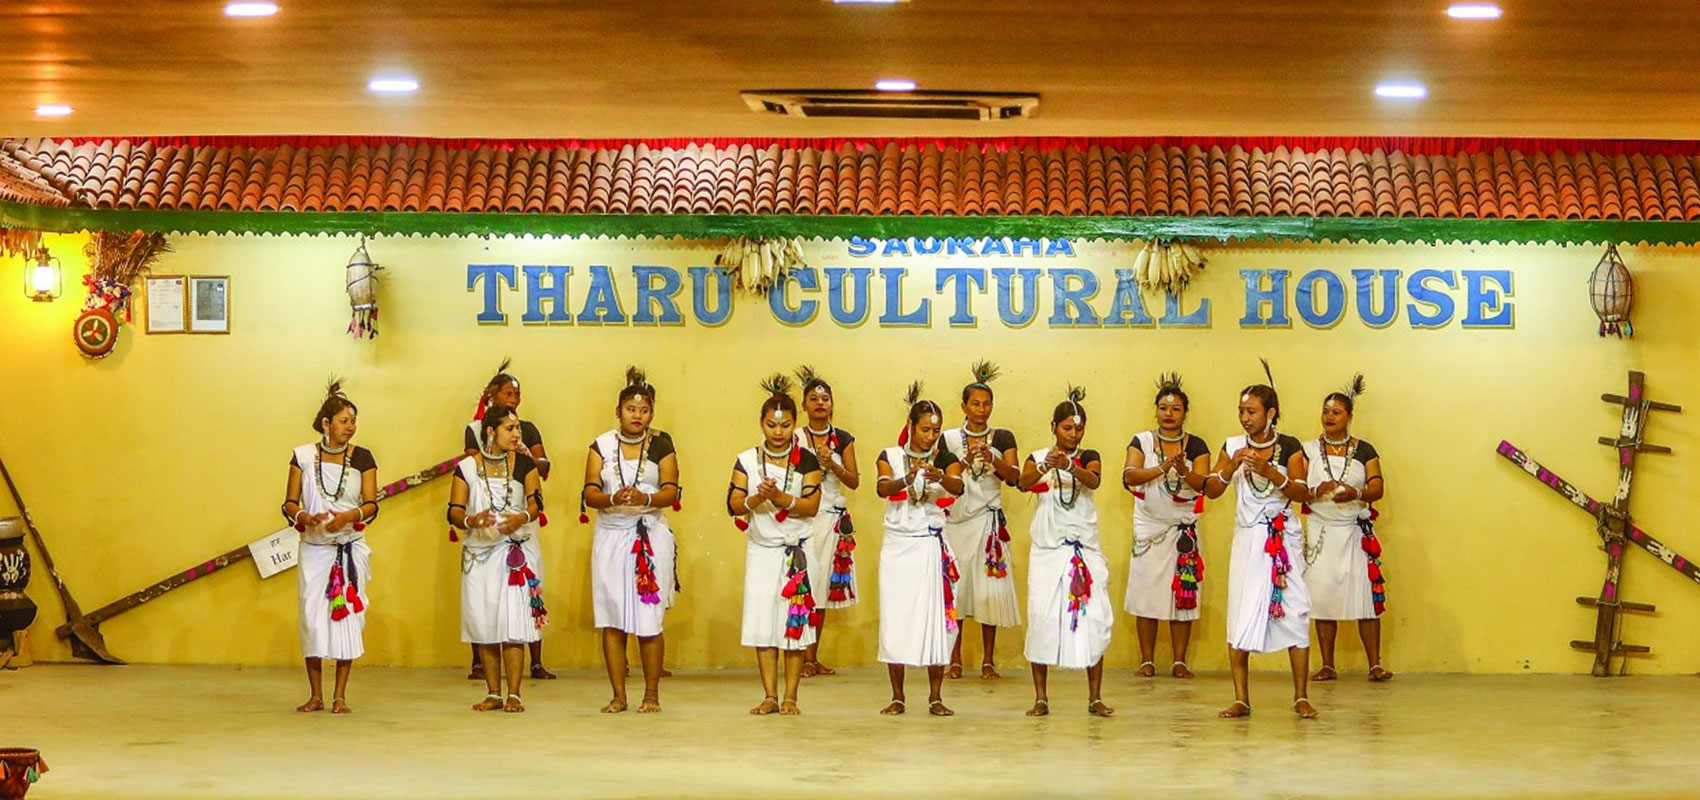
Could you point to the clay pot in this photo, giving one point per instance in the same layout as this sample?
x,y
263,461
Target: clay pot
x,y
20,767
16,610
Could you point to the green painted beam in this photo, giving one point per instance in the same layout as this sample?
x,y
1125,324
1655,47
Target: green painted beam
x,y
714,226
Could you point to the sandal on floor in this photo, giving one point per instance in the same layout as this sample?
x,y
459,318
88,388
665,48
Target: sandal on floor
x,y
1302,715
1386,674
933,707
1181,670
1140,670
1325,673
514,706
901,707
1094,707
1038,704
491,702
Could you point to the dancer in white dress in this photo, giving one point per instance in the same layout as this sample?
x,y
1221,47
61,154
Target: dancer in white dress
x,y
503,388
631,477
331,494
1268,603
977,529
1165,470
496,502
1343,554
832,554
1069,613
918,573
774,490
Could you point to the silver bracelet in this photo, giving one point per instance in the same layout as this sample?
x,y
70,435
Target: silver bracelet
x,y
788,506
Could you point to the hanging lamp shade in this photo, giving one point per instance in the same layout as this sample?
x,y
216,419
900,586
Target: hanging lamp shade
x,y
1611,291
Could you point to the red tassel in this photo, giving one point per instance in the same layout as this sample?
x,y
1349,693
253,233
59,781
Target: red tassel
x,y
1279,523
454,536
903,436
1139,494
300,528
743,524
483,403
583,518
1198,504
946,502
1374,513
796,454
359,527
516,578
677,506
1040,488
784,514
899,497
1304,508
542,520
355,601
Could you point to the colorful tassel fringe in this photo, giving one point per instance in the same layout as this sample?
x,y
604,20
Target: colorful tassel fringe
x,y
1372,548
520,574
342,589
648,588
1279,564
952,618
840,587
1189,568
800,609
1079,587
997,557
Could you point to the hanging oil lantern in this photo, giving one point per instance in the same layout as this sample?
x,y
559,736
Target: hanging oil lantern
x,y
362,279
1612,292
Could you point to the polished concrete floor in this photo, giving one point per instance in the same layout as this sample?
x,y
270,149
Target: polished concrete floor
x,y
212,732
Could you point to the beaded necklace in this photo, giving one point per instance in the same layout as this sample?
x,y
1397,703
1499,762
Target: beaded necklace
x,y
619,463
507,483
319,454
785,485
1178,482
1351,446
909,458
1074,483
1268,487
976,467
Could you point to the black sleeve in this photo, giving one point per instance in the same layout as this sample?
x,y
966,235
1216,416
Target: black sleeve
x,y
1195,447
738,466
471,438
945,458
661,446
361,459
1366,452
529,434
1134,443
883,460
806,462
845,439
1003,441
1089,456
523,466
296,463
1289,446
456,475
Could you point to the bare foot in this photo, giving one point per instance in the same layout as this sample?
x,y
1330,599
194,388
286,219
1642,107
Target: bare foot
x,y
937,708
340,706
491,702
809,669
314,703
1240,708
539,673
666,673
954,672
1181,670
1379,673
650,704
1097,709
894,709
1146,670
789,708
989,672
822,669
1040,709
1304,709
514,706
767,706
1325,673
614,706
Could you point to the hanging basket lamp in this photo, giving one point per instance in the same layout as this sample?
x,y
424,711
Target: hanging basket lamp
x,y
1611,291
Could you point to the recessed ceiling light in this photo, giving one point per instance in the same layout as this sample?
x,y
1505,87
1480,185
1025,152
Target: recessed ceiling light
x,y
53,110
894,85
393,85
1473,11
250,9
1401,91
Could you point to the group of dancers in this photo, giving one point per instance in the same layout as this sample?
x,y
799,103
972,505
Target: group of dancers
x,y
944,557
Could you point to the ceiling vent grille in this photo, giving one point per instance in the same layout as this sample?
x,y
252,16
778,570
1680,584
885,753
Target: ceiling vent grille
x,y
827,103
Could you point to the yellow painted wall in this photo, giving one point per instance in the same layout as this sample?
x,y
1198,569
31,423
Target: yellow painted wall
x,y
174,449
